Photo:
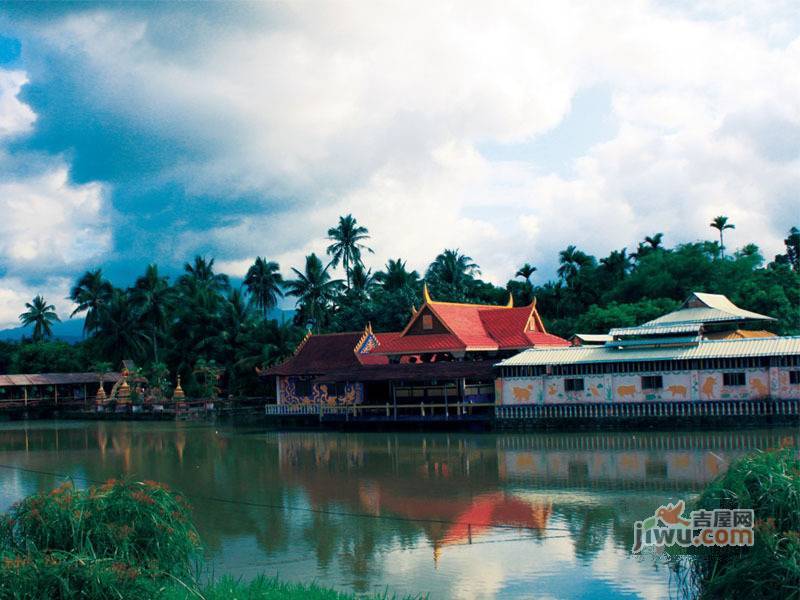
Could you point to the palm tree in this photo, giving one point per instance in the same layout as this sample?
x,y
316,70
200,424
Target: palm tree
x,y
153,297
572,260
655,241
264,283
201,273
314,289
362,280
90,293
41,315
346,247
118,333
452,269
526,271
395,276
617,264
720,223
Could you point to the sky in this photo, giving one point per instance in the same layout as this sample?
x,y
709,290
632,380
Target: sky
x,y
136,133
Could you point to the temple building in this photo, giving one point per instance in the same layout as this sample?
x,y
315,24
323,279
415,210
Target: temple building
x,y
446,353
708,349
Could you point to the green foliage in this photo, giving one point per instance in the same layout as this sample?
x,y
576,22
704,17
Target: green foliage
x,y
41,315
53,356
118,540
769,483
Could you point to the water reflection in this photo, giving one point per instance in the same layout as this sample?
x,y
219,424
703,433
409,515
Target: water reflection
x,y
456,515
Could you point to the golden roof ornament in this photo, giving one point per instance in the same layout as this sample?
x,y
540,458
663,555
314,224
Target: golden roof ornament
x,y
426,295
510,300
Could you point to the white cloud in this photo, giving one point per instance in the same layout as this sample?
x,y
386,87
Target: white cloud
x,y
380,110
15,117
15,292
50,225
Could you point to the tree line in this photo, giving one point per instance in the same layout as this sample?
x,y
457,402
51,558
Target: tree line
x,y
200,324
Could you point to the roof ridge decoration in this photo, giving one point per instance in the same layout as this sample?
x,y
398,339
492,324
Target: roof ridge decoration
x,y
302,343
367,342
534,322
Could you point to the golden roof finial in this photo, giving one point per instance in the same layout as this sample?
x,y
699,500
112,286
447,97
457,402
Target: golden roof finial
x,y
426,295
413,310
510,300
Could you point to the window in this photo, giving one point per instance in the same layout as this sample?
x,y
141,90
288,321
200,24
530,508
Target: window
x,y
733,379
573,385
427,321
652,382
794,377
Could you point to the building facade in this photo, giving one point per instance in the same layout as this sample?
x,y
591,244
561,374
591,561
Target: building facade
x,y
709,349
445,354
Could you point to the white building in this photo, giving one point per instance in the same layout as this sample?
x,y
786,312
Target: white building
x,y
706,350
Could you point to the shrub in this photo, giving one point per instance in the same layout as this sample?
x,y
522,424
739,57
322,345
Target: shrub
x,y
120,539
769,483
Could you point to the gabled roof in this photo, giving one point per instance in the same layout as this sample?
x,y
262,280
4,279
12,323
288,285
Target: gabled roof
x,y
328,352
55,379
473,327
707,308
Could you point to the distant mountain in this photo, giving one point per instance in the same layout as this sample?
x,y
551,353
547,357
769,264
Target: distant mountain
x,y
69,331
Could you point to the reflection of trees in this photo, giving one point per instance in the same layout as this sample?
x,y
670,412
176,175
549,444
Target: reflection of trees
x,y
411,488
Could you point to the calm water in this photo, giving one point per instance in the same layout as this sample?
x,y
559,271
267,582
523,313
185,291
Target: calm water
x,y
452,515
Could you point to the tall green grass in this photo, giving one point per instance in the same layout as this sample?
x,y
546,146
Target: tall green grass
x,y
117,541
769,483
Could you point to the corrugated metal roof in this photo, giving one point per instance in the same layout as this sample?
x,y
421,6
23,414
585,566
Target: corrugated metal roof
x,y
716,308
777,346
648,329
54,379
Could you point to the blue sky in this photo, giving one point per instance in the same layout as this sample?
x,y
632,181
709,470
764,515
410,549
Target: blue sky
x,y
132,133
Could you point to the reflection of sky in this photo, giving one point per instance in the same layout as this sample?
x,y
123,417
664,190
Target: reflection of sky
x,y
381,500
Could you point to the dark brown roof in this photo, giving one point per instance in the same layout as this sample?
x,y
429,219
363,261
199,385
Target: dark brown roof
x,y
321,354
54,379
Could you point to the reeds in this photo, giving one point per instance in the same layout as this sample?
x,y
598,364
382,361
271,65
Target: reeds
x,y
118,540
769,483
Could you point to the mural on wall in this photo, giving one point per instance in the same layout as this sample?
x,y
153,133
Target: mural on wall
x,y
708,387
677,386
353,393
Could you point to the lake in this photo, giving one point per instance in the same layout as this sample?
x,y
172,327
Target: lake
x,y
454,515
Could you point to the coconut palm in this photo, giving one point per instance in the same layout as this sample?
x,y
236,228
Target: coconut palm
x,y
452,268
395,276
720,223
526,271
201,274
119,335
347,238
264,283
655,241
153,297
314,289
41,315
362,280
90,292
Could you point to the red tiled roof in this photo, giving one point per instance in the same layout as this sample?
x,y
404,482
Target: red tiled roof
x,y
476,327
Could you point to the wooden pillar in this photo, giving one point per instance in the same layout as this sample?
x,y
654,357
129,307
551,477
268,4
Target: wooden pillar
x,y
394,399
55,394
25,394
446,408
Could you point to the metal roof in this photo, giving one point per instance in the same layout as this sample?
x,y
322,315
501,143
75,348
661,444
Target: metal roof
x,y
777,346
593,337
648,329
715,308
31,379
